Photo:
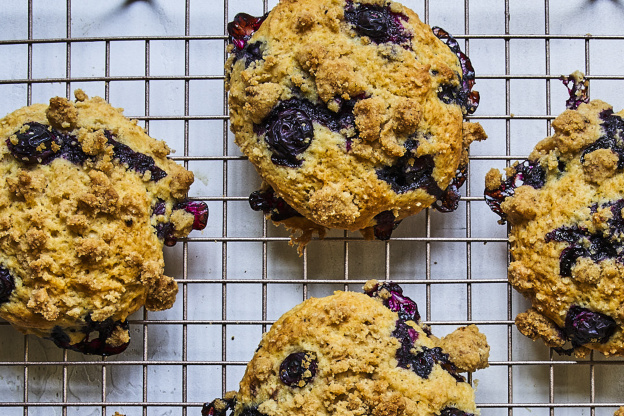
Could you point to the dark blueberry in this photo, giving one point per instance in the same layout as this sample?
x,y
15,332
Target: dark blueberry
x,y
251,411
578,88
449,200
616,222
583,326
452,94
410,172
164,231
242,28
136,161
407,336
72,151
288,128
613,131
378,23
37,144
461,94
445,362
199,211
568,234
97,345
271,204
252,52
289,134
298,369
528,172
159,208
218,407
422,363
453,411
568,258
397,302
7,285
596,246
385,225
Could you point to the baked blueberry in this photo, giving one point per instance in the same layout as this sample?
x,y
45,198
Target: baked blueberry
x,y
376,22
35,143
461,94
298,369
578,88
452,411
289,134
134,160
411,172
528,172
449,200
392,297
7,284
583,326
385,225
269,203
218,407
91,344
242,27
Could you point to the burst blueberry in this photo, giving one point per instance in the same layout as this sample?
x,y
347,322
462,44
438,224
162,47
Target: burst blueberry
x,y
251,411
422,363
396,301
597,246
378,23
7,285
410,172
453,411
583,326
449,200
578,89
289,134
89,345
288,129
218,407
269,203
134,160
199,210
242,28
529,172
298,369
462,93
384,226
36,143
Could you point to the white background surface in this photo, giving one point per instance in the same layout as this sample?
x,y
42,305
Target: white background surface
x,y
239,274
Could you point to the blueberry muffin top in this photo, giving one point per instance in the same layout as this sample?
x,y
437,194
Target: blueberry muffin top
x,y
353,354
564,204
86,204
352,112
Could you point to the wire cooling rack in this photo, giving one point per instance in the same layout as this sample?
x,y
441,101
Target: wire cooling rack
x,y
163,62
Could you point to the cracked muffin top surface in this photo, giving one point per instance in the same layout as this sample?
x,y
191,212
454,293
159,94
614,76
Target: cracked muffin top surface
x,y
351,111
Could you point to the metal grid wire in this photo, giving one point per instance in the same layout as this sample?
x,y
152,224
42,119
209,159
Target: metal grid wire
x,y
239,275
